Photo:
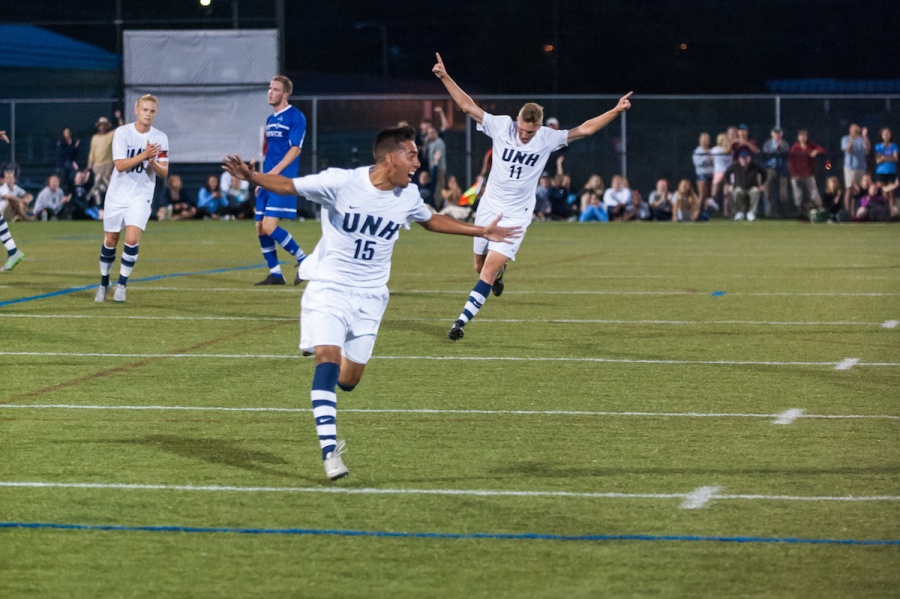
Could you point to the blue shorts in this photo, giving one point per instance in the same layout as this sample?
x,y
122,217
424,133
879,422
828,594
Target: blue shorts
x,y
276,206
704,177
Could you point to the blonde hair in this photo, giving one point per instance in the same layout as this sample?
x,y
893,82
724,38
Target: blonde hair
x,y
833,185
532,113
722,141
147,98
689,193
285,82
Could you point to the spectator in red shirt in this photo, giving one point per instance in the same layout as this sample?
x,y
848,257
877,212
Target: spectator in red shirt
x,y
802,167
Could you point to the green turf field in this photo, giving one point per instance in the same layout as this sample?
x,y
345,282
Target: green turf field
x,y
650,410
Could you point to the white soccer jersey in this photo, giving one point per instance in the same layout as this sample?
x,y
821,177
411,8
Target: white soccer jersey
x,y
360,225
516,167
137,183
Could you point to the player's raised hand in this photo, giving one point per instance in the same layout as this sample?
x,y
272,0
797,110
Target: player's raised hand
x,y
438,69
494,232
237,167
4,136
624,103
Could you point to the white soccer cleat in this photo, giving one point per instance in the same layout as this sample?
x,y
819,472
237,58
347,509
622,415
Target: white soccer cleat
x,y
119,294
751,217
334,465
101,293
739,216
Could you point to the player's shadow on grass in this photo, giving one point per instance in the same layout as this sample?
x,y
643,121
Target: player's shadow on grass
x,y
218,451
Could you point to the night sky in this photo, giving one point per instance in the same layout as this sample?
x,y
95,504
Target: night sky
x,y
504,46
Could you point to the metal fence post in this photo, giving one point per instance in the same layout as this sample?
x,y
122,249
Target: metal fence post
x,y
623,147
315,136
778,112
12,133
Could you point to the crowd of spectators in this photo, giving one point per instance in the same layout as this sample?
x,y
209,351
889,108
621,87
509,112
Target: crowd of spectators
x,y
734,178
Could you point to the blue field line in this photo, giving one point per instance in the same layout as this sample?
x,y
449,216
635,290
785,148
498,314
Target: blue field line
x,y
214,271
442,535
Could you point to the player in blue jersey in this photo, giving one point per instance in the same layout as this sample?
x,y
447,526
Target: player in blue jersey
x,y
363,211
520,150
285,130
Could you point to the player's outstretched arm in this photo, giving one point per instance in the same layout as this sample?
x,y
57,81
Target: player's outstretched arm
x,y
591,126
462,99
441,223
4,136
274,183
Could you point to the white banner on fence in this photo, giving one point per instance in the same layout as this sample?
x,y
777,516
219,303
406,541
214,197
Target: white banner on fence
x,y
211,87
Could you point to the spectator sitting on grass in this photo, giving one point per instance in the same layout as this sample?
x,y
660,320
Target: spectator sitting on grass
x,y
51,199
660,201
617,198
591,193
875,206
176,202
210,199
687,205
13,197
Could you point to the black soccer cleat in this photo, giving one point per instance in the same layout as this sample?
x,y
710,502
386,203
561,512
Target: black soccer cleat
x,y
297,279
456,331
271,280
497,287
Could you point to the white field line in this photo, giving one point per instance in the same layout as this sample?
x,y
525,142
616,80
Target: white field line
x,y
699,498
450,358
795,413
463,291
788,416
847,364
481,320
446,492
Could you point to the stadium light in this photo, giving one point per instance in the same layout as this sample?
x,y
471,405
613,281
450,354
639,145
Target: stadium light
x,y
205,2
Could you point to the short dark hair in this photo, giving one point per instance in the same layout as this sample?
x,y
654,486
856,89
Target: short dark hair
x,y
391,140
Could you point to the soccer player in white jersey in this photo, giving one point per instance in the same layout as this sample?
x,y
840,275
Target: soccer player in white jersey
x,y
140,154
520,151
363,211
15,254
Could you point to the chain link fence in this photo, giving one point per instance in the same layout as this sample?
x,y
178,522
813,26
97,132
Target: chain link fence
x,y
654,139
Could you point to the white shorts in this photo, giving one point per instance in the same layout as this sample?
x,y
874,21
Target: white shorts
x,y
116,216
346,317
481,246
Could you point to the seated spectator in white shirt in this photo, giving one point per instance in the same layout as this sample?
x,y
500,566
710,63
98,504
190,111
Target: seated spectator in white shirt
x,y
617,198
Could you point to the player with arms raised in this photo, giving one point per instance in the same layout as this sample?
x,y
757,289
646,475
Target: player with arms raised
x,y
140,154
520,151
363,211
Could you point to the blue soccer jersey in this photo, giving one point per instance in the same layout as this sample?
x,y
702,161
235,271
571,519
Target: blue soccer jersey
x,y
284,129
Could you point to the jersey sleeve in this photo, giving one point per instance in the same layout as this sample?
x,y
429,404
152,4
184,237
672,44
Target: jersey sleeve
x,y
559,138
419,212
163,141
491,125
119,144
298,129
323,187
